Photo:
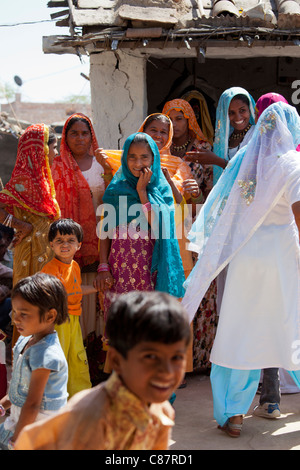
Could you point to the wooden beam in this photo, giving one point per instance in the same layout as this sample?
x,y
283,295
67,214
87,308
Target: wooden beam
x,y
148,14
57,3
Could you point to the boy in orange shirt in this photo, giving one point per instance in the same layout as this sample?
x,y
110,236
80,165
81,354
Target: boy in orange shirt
x,y
65,238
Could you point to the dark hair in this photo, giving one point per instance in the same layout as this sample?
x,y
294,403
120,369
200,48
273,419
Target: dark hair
x,y
156,117
242,98
146,316
7,232
141,138
45,292
52,136
76,119
65,227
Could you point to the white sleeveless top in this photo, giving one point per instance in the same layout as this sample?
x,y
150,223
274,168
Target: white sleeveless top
x,y
95,182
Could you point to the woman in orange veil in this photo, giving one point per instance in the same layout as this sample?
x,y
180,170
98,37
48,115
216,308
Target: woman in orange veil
x,y
188,137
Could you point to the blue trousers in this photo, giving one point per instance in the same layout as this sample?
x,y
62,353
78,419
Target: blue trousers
x,y
234,390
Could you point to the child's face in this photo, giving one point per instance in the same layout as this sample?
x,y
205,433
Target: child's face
x,y
139,156
65,247
159,131
27,319
53,152
152,370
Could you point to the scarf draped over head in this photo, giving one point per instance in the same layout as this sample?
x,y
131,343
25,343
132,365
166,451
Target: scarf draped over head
x,y
266,100
206,123
251,185
166,258
74,195
185,107
31,185
177,168
223,129
166,148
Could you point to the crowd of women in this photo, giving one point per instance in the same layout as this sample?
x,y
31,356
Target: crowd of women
x,y
239,269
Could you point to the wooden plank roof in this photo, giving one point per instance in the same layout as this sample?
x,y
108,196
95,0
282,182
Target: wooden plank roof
x,y
98,24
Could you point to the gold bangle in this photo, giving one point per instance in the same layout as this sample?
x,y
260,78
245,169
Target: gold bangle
x,y
107,176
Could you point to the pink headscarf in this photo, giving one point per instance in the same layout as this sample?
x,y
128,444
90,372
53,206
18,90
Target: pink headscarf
x,y
265,100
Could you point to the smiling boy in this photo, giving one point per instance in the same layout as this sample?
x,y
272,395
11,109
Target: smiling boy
x,y
148,334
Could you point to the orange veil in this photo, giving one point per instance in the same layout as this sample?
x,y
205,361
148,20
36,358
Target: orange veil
x,y
185,107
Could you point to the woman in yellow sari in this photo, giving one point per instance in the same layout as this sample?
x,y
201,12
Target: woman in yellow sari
x,y
28,202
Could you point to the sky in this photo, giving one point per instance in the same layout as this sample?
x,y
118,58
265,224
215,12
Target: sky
x,y
45,77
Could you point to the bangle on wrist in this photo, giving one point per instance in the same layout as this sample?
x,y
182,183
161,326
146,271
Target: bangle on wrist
x,y
8,220
2,411
197,200
146,207
103,267
107,176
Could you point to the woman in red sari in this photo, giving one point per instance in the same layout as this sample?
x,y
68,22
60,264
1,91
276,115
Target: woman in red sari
x,y
80,183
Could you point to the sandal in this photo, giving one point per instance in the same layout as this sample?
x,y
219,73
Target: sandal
x,y
232,429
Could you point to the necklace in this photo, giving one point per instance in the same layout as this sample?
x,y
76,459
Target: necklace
x,y
238,135
177,148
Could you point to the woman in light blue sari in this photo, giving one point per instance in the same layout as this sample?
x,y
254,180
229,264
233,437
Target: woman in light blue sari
x,y
250,223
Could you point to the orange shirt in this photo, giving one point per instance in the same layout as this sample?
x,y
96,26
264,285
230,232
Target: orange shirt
x,y
70,276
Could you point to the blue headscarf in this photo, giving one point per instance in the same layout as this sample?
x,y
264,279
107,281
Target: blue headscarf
x,y
166,259
223,128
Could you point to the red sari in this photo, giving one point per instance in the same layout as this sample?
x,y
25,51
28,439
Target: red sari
x,y
74,195
31,186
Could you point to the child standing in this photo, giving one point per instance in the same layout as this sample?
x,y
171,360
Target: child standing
x,y
130,411
65,238
39,379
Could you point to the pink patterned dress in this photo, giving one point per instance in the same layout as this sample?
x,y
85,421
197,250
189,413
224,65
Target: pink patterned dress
x,y
130,260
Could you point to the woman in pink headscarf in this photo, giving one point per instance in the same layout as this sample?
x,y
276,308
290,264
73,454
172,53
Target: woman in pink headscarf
x,y
265,100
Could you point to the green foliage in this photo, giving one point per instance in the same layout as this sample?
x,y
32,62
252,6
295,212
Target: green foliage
x,y
7,92
80,99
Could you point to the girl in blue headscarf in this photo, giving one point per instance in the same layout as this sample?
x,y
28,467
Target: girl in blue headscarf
x,y
138,247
